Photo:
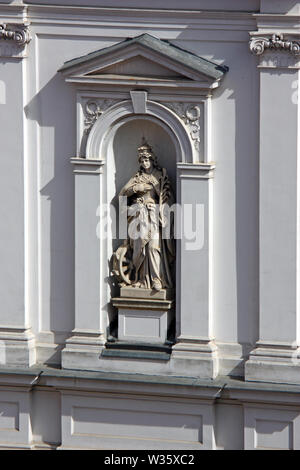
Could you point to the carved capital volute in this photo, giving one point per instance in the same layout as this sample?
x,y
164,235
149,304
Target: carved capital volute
x,y
13,40
19,34
276,42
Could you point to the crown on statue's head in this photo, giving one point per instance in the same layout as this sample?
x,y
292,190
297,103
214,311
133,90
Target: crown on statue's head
x,y
145,146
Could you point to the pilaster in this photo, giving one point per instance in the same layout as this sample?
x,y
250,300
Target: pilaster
x,y
87,337
195,341
17,343
276,356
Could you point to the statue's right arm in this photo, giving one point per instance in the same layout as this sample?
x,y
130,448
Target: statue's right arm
x,y
127,190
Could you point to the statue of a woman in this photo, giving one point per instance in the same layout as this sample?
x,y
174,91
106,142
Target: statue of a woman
x,y
145,258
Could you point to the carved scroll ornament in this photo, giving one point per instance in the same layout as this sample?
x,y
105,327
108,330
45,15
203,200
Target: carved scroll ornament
x,y
93,108
19,34
258,45
190,115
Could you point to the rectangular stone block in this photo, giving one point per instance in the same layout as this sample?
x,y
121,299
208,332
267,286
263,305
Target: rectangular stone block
x,y
143,325
131,292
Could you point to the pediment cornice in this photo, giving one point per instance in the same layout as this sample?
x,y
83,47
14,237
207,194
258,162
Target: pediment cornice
x,y
144,60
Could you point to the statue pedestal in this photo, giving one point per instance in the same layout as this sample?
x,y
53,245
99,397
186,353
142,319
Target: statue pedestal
x,y
144,315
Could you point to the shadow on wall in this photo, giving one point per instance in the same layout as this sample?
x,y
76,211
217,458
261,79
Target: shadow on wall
x,y
238,157
54,110
235,110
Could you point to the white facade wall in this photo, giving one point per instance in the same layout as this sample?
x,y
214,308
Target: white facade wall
x,y
252,288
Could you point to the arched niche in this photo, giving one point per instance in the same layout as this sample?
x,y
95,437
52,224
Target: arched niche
x,y
121,147
126,107
155,112
119,151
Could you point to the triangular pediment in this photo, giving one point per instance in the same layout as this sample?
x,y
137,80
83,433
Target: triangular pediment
x,y
143,58
137,66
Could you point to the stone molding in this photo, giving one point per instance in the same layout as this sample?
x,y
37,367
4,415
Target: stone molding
x,y
87,166
189,113
155,110
277,42
196,170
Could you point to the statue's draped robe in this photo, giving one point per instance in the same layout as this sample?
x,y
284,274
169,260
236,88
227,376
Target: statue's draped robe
x,y
152,255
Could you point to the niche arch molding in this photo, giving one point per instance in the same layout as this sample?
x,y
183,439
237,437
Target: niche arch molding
x,y
123,111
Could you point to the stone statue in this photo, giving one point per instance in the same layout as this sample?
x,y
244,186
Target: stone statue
x,y
144,260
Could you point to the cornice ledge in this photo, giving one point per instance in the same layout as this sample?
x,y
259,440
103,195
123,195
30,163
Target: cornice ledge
x,y
86,161
275,42
90,166
142,11
17,33
274,16
206,166
202,170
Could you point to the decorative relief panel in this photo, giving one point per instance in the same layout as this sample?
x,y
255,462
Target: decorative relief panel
x,y
92,109
189,113
271,428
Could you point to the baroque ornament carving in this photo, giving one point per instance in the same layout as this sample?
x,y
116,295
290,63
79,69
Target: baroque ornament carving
x,y
93,108
19,34
190,115
258,45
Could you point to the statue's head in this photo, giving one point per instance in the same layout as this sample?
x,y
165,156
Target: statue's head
x,y
145,153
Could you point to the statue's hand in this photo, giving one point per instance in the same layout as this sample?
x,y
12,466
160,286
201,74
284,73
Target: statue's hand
x,y
141,187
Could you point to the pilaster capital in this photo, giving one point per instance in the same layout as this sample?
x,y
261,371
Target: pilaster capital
x,y
276,50
275,42
13,39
